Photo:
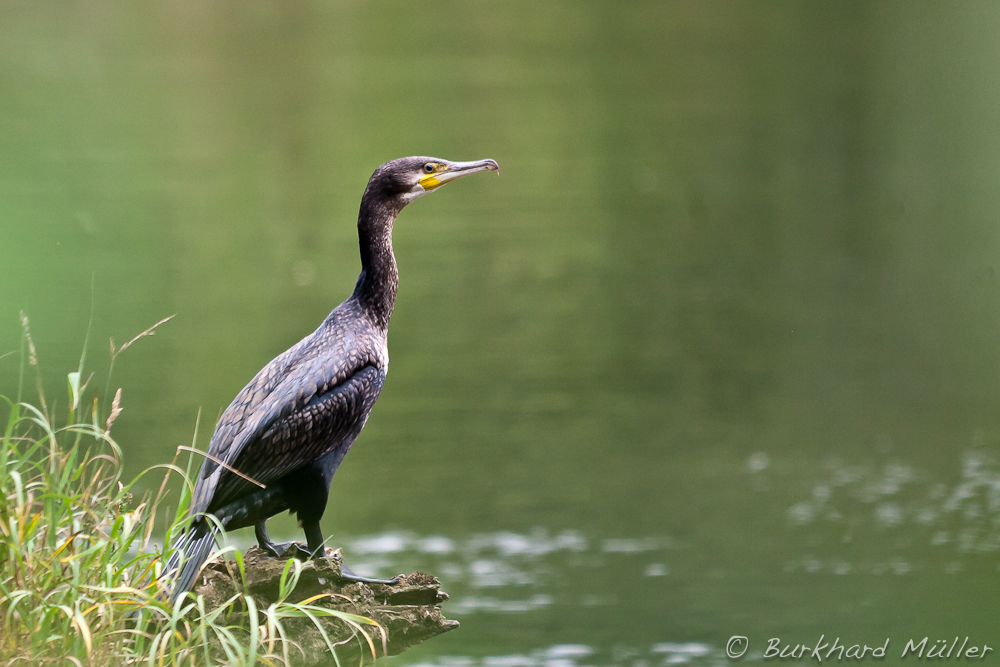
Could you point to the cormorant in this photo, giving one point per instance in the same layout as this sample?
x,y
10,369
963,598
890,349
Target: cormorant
x,y
278,444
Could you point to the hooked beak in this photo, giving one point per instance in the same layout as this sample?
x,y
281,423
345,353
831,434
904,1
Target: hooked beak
x,y
456,170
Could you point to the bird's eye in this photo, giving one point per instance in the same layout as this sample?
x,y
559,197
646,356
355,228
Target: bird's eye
x,y
428,168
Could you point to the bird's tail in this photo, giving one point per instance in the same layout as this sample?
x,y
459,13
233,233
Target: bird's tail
x,y
191,552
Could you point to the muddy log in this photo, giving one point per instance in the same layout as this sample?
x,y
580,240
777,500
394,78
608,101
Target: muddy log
x,y
409,610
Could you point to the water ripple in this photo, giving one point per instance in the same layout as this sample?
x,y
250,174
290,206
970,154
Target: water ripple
x,y
660,654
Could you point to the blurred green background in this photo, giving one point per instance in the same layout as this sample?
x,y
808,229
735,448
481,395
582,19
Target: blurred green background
x,y
717,354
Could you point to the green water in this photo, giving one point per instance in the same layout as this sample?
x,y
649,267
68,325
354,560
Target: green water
x,y
717,354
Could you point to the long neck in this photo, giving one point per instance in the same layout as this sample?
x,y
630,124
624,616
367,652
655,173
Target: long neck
x,y
379,279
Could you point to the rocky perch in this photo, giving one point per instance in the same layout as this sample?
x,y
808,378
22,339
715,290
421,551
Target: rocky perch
x,y
409,611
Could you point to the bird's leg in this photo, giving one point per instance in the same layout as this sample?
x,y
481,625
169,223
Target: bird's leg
x,y
314,539
283,550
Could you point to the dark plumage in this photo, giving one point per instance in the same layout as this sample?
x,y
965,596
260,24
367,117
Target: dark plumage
x,y
291,426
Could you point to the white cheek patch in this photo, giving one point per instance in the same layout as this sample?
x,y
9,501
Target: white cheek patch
x,y
417,192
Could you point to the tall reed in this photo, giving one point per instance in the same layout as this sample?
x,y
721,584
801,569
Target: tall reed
x,y
78,560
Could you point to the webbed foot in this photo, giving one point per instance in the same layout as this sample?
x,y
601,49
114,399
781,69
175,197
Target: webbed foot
x,y
315,549
296,550
282,550
346,573
286,550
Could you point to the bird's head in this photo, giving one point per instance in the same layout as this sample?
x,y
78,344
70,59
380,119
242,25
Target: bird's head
x,y
408,178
